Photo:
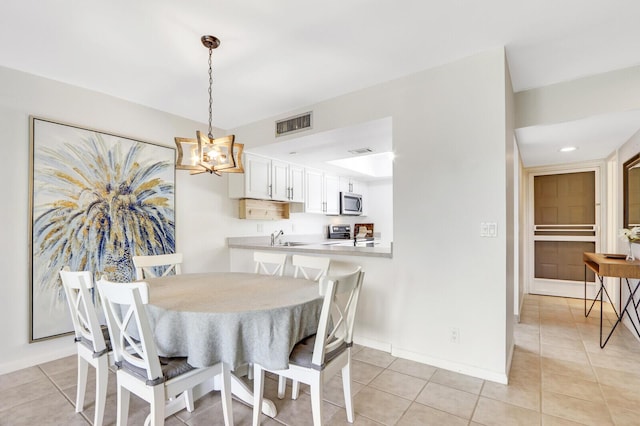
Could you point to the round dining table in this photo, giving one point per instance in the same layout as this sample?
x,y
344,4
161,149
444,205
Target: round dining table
x,y
236,318
232,317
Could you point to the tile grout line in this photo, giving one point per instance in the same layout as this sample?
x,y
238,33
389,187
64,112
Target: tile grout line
x,y
73,404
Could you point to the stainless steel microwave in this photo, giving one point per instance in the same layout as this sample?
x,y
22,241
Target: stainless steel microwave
x,y
350,204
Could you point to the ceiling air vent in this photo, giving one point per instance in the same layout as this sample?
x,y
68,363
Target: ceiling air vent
x,y
294,124
361,151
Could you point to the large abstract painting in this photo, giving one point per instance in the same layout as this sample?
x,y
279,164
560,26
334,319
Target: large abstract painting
x,y
97,199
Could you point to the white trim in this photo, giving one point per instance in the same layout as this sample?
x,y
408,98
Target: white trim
x,y
469,370
44,356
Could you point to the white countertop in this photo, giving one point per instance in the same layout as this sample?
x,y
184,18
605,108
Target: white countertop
x,y
310,244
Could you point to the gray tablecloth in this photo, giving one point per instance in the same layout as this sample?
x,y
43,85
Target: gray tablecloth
x,y
237,318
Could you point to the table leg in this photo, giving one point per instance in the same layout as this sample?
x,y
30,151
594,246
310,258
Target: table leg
x,y
242,392
595,299
624,309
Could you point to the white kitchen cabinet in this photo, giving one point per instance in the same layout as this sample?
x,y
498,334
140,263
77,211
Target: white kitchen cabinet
x,y
332,194
322,193
279,180
348,184
257,177
296,183
268,179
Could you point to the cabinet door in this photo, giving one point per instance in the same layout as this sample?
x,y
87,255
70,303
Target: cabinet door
x,y
314,199
257,177
345,184
296,184
332,194
279,180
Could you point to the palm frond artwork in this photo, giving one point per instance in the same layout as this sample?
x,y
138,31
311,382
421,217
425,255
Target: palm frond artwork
x,y
98,200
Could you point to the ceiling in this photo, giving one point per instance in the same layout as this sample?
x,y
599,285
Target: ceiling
x,y
278,56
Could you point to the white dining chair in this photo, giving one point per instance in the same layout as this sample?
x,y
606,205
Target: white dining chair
x,y
92,341
316,359
269,263
140,370
311,268
149,266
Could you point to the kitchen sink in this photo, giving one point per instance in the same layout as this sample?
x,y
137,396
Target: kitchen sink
x,y
293,243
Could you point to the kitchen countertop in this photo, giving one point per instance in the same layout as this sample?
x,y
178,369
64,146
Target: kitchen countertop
x,y
311,245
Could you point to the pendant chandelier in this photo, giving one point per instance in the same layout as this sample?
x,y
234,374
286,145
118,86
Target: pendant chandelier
x,y
206,154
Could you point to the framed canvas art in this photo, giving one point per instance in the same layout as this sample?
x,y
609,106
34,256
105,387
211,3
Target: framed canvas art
x,y
97,199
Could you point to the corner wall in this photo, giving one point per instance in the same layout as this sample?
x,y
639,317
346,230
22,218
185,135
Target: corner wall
x,y
450,174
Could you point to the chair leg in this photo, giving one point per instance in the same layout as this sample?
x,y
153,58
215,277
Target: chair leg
x,y
316,399
346,389
295,389
157,406
123,406
258,389
102,379
83,367
225,394
188,400
282,386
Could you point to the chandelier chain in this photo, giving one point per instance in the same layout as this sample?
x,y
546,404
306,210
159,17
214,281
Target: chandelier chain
x,y
210,95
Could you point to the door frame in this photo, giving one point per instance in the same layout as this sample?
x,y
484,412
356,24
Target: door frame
x,y
573,288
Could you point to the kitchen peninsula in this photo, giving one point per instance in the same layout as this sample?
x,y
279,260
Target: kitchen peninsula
x,y
373,316
311,245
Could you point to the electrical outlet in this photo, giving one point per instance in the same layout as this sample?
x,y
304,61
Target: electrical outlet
x,y
454,335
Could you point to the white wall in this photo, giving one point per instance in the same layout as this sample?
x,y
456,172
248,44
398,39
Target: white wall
x,y
625,152
567,101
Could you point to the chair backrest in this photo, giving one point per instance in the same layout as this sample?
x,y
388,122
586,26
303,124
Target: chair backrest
x,y
148,266
310,267
83,312
131,336
337,317
269,263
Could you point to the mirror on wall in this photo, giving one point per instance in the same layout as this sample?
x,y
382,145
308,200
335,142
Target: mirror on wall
x,y
631,185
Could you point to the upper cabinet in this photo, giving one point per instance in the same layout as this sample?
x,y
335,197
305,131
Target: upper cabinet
x,y
322,193
268,179
348,184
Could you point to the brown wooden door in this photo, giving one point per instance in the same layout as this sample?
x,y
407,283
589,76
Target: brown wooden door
x,y
565,226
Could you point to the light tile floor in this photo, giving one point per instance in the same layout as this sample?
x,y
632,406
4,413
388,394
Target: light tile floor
x,y
559,376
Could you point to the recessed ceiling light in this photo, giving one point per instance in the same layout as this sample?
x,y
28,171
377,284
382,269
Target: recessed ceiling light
x,y
568,149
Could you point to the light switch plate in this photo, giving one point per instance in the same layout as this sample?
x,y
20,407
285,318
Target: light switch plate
x,y
493,229
484,229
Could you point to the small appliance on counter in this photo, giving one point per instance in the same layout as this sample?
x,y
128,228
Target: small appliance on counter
x,y
339,232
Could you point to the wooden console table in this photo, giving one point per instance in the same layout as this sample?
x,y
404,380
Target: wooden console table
x,y
622,269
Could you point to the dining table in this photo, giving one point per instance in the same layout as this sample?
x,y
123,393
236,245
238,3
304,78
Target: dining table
x,y
232,317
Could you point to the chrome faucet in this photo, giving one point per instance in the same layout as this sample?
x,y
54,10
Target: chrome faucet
x,y
275,235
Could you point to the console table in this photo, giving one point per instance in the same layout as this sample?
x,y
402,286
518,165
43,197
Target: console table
x,y
604,265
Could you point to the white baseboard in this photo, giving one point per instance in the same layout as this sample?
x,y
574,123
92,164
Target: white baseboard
x,y
41,358
481,373
373,344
